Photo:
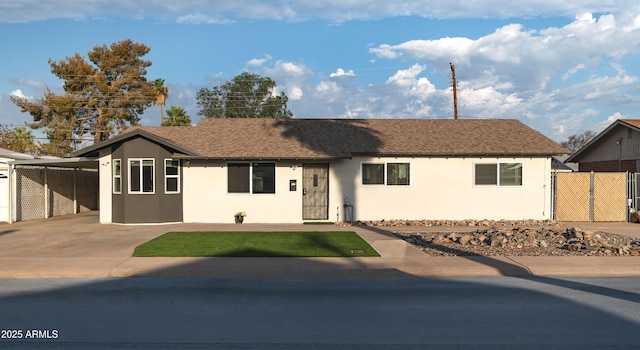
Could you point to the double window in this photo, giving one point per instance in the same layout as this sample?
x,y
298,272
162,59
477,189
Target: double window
x,y
498,174
254,178
141,175
391,174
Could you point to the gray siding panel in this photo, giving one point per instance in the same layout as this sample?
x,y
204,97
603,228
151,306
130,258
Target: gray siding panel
x,y
145,208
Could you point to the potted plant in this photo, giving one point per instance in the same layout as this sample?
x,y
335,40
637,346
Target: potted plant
x,y
239,216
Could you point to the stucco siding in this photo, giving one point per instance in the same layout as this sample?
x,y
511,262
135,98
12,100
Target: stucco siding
x,y
440,188
206,198
105,176
443,188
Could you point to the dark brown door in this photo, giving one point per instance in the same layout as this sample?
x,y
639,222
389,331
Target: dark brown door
x,y
315,191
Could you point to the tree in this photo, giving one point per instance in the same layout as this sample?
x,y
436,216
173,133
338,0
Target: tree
x,y
22,141
162,93
577,141
176,116
5,137
101,97
248,95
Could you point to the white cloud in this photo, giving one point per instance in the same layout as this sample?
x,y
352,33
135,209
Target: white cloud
x,y
256,62
199,18
406,77
341,73
295,93
18,93
573,71
528,57
288,69
327,87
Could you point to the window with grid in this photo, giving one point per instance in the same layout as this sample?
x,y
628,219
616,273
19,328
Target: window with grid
x,y
117,176
171,176
141,176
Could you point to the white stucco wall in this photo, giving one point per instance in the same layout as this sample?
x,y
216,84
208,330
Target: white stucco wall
x,y
106,180
206,199
441,188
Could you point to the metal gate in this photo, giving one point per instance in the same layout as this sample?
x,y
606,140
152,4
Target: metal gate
x,y
591,196
315,191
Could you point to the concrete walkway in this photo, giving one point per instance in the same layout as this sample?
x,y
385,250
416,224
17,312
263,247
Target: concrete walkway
x,y
78,246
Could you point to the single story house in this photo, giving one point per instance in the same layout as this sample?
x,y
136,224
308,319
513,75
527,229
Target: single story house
x,y
296,170
615,149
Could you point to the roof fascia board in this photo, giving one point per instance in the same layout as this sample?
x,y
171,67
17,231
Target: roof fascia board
x,y
133,134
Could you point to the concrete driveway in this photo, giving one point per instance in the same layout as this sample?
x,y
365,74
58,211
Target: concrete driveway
x,y
79,246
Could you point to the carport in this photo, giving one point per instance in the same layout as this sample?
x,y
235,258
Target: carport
x,y
42,188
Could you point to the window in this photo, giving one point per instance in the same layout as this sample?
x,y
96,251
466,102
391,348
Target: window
x,y
510,174
117,176
257,178
264,178
373,174
504,174
141,175
171,176
396,174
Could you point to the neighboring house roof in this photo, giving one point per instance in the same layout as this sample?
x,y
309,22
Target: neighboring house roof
x,y
628,123
340,138
7,153
559,163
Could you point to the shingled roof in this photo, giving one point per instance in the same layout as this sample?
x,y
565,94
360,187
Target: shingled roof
x,y
339,138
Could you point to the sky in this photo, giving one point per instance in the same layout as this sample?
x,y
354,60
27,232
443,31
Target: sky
x,y
560,67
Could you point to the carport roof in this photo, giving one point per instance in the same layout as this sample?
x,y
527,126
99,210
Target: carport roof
x,y
77,162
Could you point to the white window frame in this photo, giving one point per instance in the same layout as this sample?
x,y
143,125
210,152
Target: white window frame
x,y
167,176
141,177
385,180
116,177
497,164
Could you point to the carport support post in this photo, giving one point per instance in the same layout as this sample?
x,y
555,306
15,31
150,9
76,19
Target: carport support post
x,y
46,194
75,192
591,195
12,174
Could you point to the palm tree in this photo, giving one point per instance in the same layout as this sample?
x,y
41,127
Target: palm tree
x,y
176,116
162,93
22,141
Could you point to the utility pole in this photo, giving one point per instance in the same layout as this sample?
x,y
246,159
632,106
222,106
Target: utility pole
x,y
455,91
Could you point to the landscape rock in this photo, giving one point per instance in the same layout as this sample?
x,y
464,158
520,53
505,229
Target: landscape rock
x,y
523,240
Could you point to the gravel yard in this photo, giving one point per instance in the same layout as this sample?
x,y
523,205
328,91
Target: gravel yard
x,y
511,238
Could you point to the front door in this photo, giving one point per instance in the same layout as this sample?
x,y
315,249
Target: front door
x,y
315,191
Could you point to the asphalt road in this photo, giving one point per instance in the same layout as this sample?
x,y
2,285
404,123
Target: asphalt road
x,y
412,313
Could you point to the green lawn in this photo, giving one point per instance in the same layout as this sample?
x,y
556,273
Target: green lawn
x,y
256,244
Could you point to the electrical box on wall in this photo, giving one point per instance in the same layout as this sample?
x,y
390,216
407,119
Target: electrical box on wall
x,y
293,185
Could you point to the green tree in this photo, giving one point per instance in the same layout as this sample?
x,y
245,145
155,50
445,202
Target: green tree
x,y
22,141
248,95
162,93
577,141
101,97
176,116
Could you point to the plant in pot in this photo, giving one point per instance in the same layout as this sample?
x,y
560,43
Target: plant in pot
x,y
239,216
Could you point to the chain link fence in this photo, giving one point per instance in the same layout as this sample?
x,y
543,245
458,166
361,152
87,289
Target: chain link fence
x,y
42,192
